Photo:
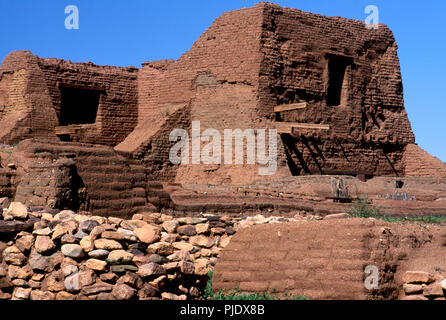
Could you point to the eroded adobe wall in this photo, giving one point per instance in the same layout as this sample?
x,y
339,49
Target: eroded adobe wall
x,y
325,259
153,118
229,52
69,175
219,106
150,79
369,127
271,56
154,152
418,163
229,49
30,99
25,105
117,112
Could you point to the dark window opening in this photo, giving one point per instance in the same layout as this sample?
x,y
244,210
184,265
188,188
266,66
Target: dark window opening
x,y
336,73
78,106
65,137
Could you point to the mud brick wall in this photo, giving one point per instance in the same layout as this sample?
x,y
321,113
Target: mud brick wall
x,y
115,185
117,112
319,259
25,104
53,184
167,86
229,49
218,79
418,163
30,98
150,78
221,106
154,152
370,128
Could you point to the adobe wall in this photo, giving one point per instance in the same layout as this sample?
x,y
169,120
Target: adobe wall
x,y
221,106
25,104
229,52
281,56
229,49
327,259
247,62
165,84
369,129
30,96
418,163
69,175
117,112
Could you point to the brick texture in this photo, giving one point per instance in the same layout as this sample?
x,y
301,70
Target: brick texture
x,y
114,185
318,259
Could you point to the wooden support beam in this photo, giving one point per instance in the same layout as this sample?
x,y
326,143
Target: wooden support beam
x,y
60,131
287,127
288,107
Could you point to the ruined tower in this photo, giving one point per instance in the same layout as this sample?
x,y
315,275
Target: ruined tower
x,y
329,85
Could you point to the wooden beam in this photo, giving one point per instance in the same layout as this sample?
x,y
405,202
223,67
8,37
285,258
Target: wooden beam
x,y
288,107
313,126
287,127
67,130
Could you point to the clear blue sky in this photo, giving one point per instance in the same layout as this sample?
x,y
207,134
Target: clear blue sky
x,y
129,32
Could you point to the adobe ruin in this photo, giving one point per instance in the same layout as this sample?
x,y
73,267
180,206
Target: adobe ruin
x,y
330,86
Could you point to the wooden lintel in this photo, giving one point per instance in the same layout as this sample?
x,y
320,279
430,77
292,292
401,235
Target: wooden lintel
x,y
288,107
67,130
287,127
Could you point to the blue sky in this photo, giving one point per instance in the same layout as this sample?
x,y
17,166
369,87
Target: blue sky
x,y
129,32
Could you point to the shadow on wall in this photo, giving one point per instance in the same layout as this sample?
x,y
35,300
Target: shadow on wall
x,y
72,192
307,155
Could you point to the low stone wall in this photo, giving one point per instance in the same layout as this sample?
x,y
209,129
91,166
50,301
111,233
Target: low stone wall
x,y
421,285
66,255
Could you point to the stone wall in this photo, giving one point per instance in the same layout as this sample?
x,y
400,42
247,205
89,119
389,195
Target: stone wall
x,y
69,256
65,255
117,113
421,285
